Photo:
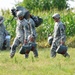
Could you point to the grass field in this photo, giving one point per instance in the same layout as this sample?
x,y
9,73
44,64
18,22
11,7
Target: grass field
x,y
43,65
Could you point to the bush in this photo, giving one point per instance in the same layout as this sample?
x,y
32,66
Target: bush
x,y
44,4
48,24
71,42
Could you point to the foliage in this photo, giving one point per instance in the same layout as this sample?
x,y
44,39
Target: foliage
x,y
71,42
60,4
67,17
10,24
44,4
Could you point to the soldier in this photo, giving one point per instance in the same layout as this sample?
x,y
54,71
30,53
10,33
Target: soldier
x,y
30,35
20,32
4,35
59,36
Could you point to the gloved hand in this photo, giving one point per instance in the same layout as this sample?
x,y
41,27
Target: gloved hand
x,y
62,42
31,38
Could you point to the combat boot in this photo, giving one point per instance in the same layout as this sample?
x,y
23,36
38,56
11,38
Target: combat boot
x,y
13,50
66,55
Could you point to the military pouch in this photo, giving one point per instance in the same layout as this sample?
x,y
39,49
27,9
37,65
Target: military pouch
x,y
62,49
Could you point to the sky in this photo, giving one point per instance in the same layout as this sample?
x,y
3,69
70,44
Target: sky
x,y
8,4
71,3
5,4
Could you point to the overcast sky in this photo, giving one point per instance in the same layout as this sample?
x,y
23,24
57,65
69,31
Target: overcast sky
x,y
71,3
5,4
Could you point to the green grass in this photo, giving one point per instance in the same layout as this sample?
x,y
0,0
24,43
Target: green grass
x,y
43,65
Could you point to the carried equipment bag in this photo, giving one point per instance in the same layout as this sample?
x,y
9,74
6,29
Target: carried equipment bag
x,y
25,48
62,49
38,21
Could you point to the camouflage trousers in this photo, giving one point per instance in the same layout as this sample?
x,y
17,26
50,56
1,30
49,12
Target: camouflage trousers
x,y
4,43
17,41
1,41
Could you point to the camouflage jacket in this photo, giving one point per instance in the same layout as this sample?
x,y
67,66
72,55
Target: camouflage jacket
x,y
30,28
59,31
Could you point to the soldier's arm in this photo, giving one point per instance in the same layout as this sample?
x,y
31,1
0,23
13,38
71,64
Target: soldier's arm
x,y
25,33
1,20
62,33
33,32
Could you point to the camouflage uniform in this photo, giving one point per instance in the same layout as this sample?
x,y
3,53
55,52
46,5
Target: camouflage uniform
x,y
3,34
30,30
58,35
20,34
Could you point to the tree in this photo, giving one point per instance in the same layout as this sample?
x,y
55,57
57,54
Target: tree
x,y
44,4
60,4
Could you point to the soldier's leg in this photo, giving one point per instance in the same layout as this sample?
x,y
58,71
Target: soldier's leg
x,y
35,51
27,54
1,42
34,48
7,43
53,50
13,47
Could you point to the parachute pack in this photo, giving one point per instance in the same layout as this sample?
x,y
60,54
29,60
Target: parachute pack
x,y
38,20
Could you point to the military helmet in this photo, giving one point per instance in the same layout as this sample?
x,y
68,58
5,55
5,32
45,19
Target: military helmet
x,y
20,14
56,15
24,10
20,8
